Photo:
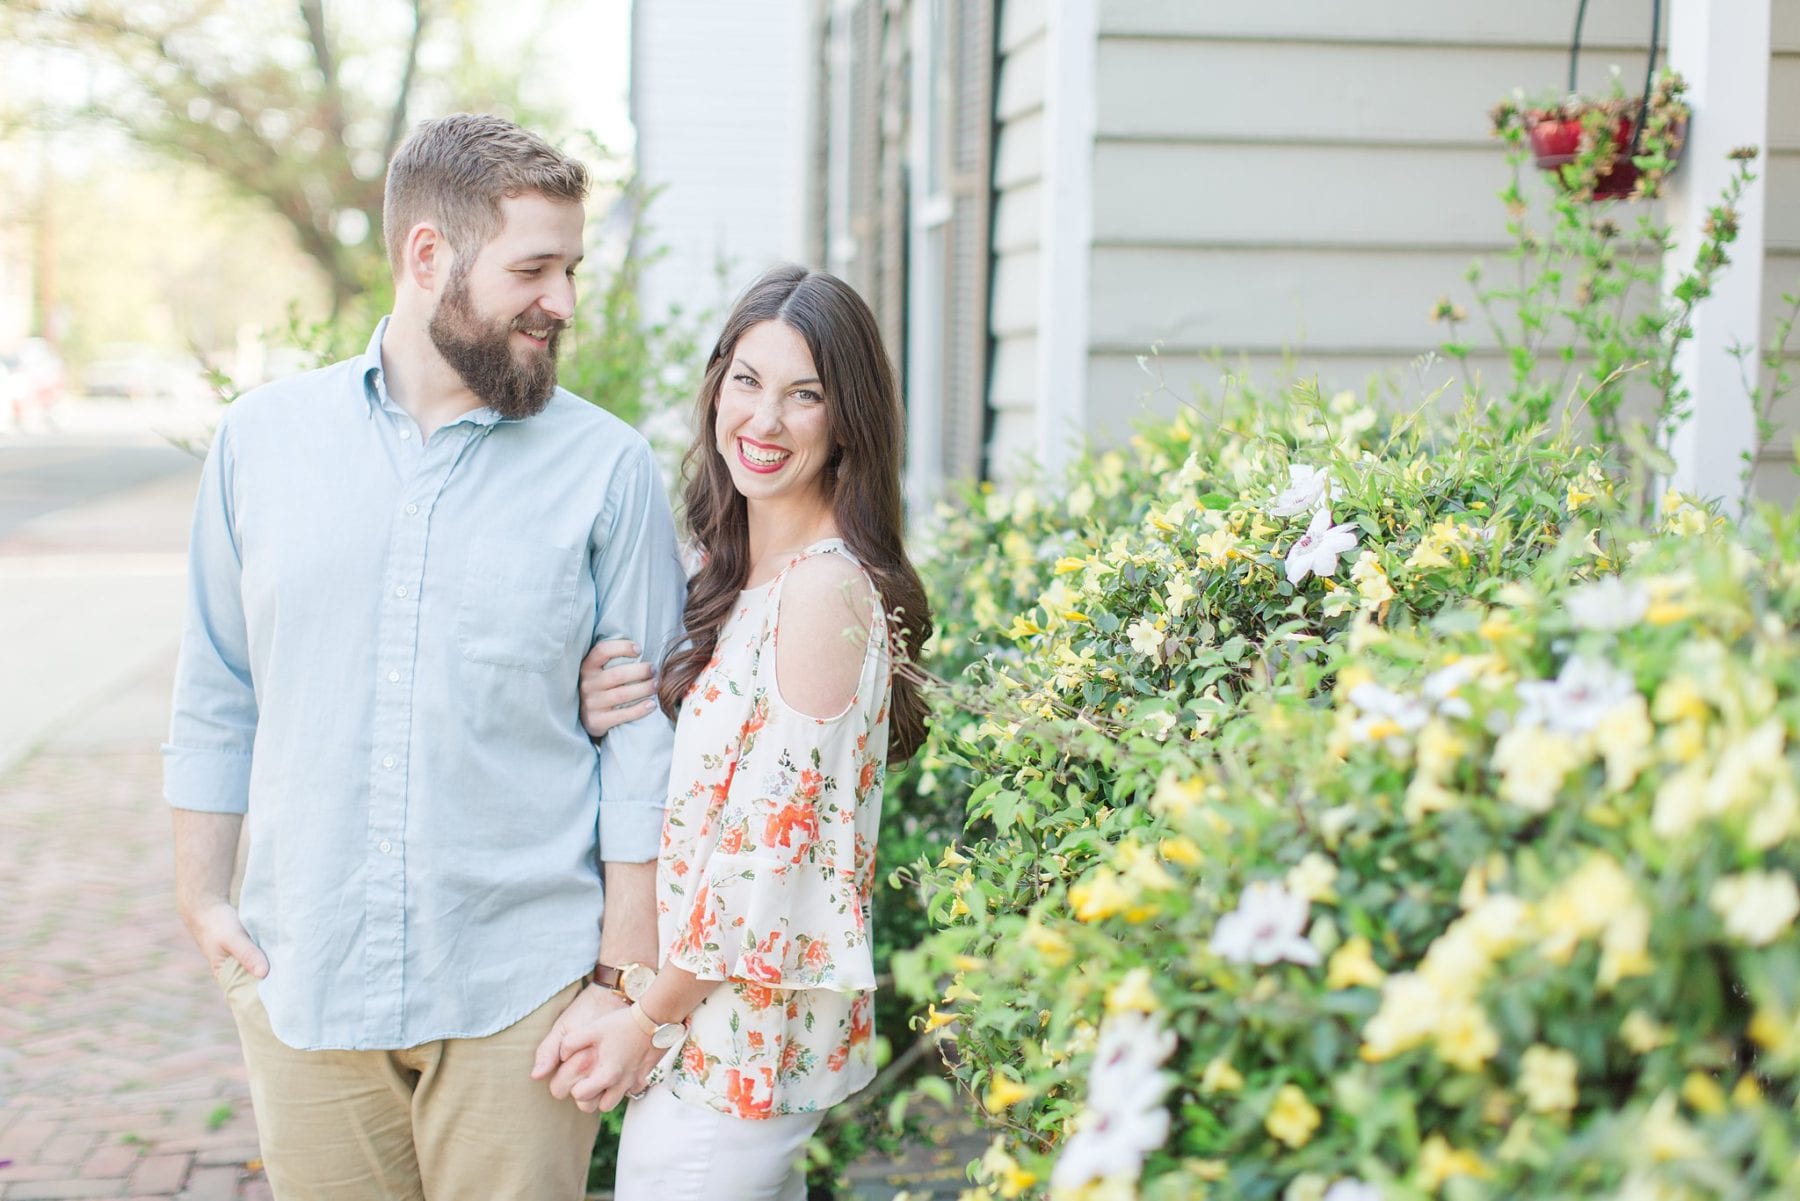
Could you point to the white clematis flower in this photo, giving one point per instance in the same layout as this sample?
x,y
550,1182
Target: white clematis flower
x,y
1125,1119
1608,604
1269,924
1308,488
1582,693
1352,1189
1316,551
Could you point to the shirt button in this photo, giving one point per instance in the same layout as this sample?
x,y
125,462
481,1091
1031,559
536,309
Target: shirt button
x,y
411,510
393,677
405,433
386,846
387,761
400,591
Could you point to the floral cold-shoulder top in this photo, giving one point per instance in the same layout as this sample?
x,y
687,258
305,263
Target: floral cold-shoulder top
x,y
766,873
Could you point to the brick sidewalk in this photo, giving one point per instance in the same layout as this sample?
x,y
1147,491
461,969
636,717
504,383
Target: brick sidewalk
x,y
119,1068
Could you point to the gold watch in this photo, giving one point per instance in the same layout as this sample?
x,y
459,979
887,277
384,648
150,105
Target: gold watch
x,y
629,980
663,1035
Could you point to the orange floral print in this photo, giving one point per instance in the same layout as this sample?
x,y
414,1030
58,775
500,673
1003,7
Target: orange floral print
x,y
764,877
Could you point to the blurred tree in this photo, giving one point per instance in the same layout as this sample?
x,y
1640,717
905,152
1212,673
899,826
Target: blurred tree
x,y
298,105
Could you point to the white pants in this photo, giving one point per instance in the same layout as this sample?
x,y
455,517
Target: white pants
x,y
673,1151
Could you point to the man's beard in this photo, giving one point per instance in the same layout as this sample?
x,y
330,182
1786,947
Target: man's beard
x,y
482,354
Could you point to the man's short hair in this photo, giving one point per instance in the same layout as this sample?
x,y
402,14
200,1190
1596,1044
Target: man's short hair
x,y
454,172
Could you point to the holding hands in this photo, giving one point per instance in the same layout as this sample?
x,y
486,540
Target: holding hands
x,y
596,1054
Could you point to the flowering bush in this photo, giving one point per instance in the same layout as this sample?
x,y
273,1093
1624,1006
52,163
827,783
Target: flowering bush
x,y
1361,809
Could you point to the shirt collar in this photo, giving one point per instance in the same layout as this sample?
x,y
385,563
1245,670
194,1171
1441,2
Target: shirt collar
x,y
374,382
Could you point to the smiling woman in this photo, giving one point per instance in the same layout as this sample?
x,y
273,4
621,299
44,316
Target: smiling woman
x,y
772,426
789,709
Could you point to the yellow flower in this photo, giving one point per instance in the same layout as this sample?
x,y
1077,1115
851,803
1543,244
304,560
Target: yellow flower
x,y
1703,1094
1099,896
1465,1039
1439,1161
1625,947
1023,627
1176,795
1005,1171
1050,946
1146,637
1532,762
1680,802
1313,877
1353,966
1497,626
1307,1186
1666,1136
937,1021
1746,1093
1439,748
1180,849
1576,497
1292,1118
1424,796
1221,1077
1547,1079
1643,1033
1756,906
1771,1031
1370,580
1003,1093
1215,549
1206,1169
953,858
1133,993
1411,1007
959,991
1623,737
1068,564
1678,698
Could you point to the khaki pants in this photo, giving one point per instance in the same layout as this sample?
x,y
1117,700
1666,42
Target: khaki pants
x,y
453,1120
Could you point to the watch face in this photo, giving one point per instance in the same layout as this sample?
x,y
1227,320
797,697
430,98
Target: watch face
x,y
634,979
670,1035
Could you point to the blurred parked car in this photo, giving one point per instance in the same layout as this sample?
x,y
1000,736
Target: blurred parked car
x,y
128,371
31,382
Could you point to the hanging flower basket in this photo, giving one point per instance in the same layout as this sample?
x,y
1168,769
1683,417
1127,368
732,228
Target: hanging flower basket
x,y
1611,147
1557,135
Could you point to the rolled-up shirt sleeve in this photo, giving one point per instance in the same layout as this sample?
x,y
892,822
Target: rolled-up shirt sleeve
x,y
640,588
206,761
777,901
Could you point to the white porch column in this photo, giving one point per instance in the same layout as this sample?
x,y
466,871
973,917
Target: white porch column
x,y
1722,48
1072,47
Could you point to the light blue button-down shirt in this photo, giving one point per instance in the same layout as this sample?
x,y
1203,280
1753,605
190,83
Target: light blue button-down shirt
x,y
379,668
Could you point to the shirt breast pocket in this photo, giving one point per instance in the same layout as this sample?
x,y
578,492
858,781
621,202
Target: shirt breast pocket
x,y
518,602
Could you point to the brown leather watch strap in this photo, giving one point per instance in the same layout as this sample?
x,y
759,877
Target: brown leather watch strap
x,y
608,976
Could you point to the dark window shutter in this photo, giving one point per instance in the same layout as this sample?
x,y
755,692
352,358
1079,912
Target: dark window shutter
x,y
966,341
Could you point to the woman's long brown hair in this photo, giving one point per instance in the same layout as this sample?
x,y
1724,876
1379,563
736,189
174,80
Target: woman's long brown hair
x,y
862,403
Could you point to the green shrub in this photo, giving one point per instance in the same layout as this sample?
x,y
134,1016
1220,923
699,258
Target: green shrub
x,y
1398,946
1463,870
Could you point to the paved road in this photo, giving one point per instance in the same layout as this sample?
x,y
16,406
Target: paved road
x,y
41,477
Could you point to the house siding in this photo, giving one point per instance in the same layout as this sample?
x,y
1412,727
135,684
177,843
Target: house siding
x,y
1020,139
721,95
1293,186
1775,475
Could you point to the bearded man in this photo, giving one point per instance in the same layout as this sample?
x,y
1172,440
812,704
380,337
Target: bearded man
x,y
397,565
